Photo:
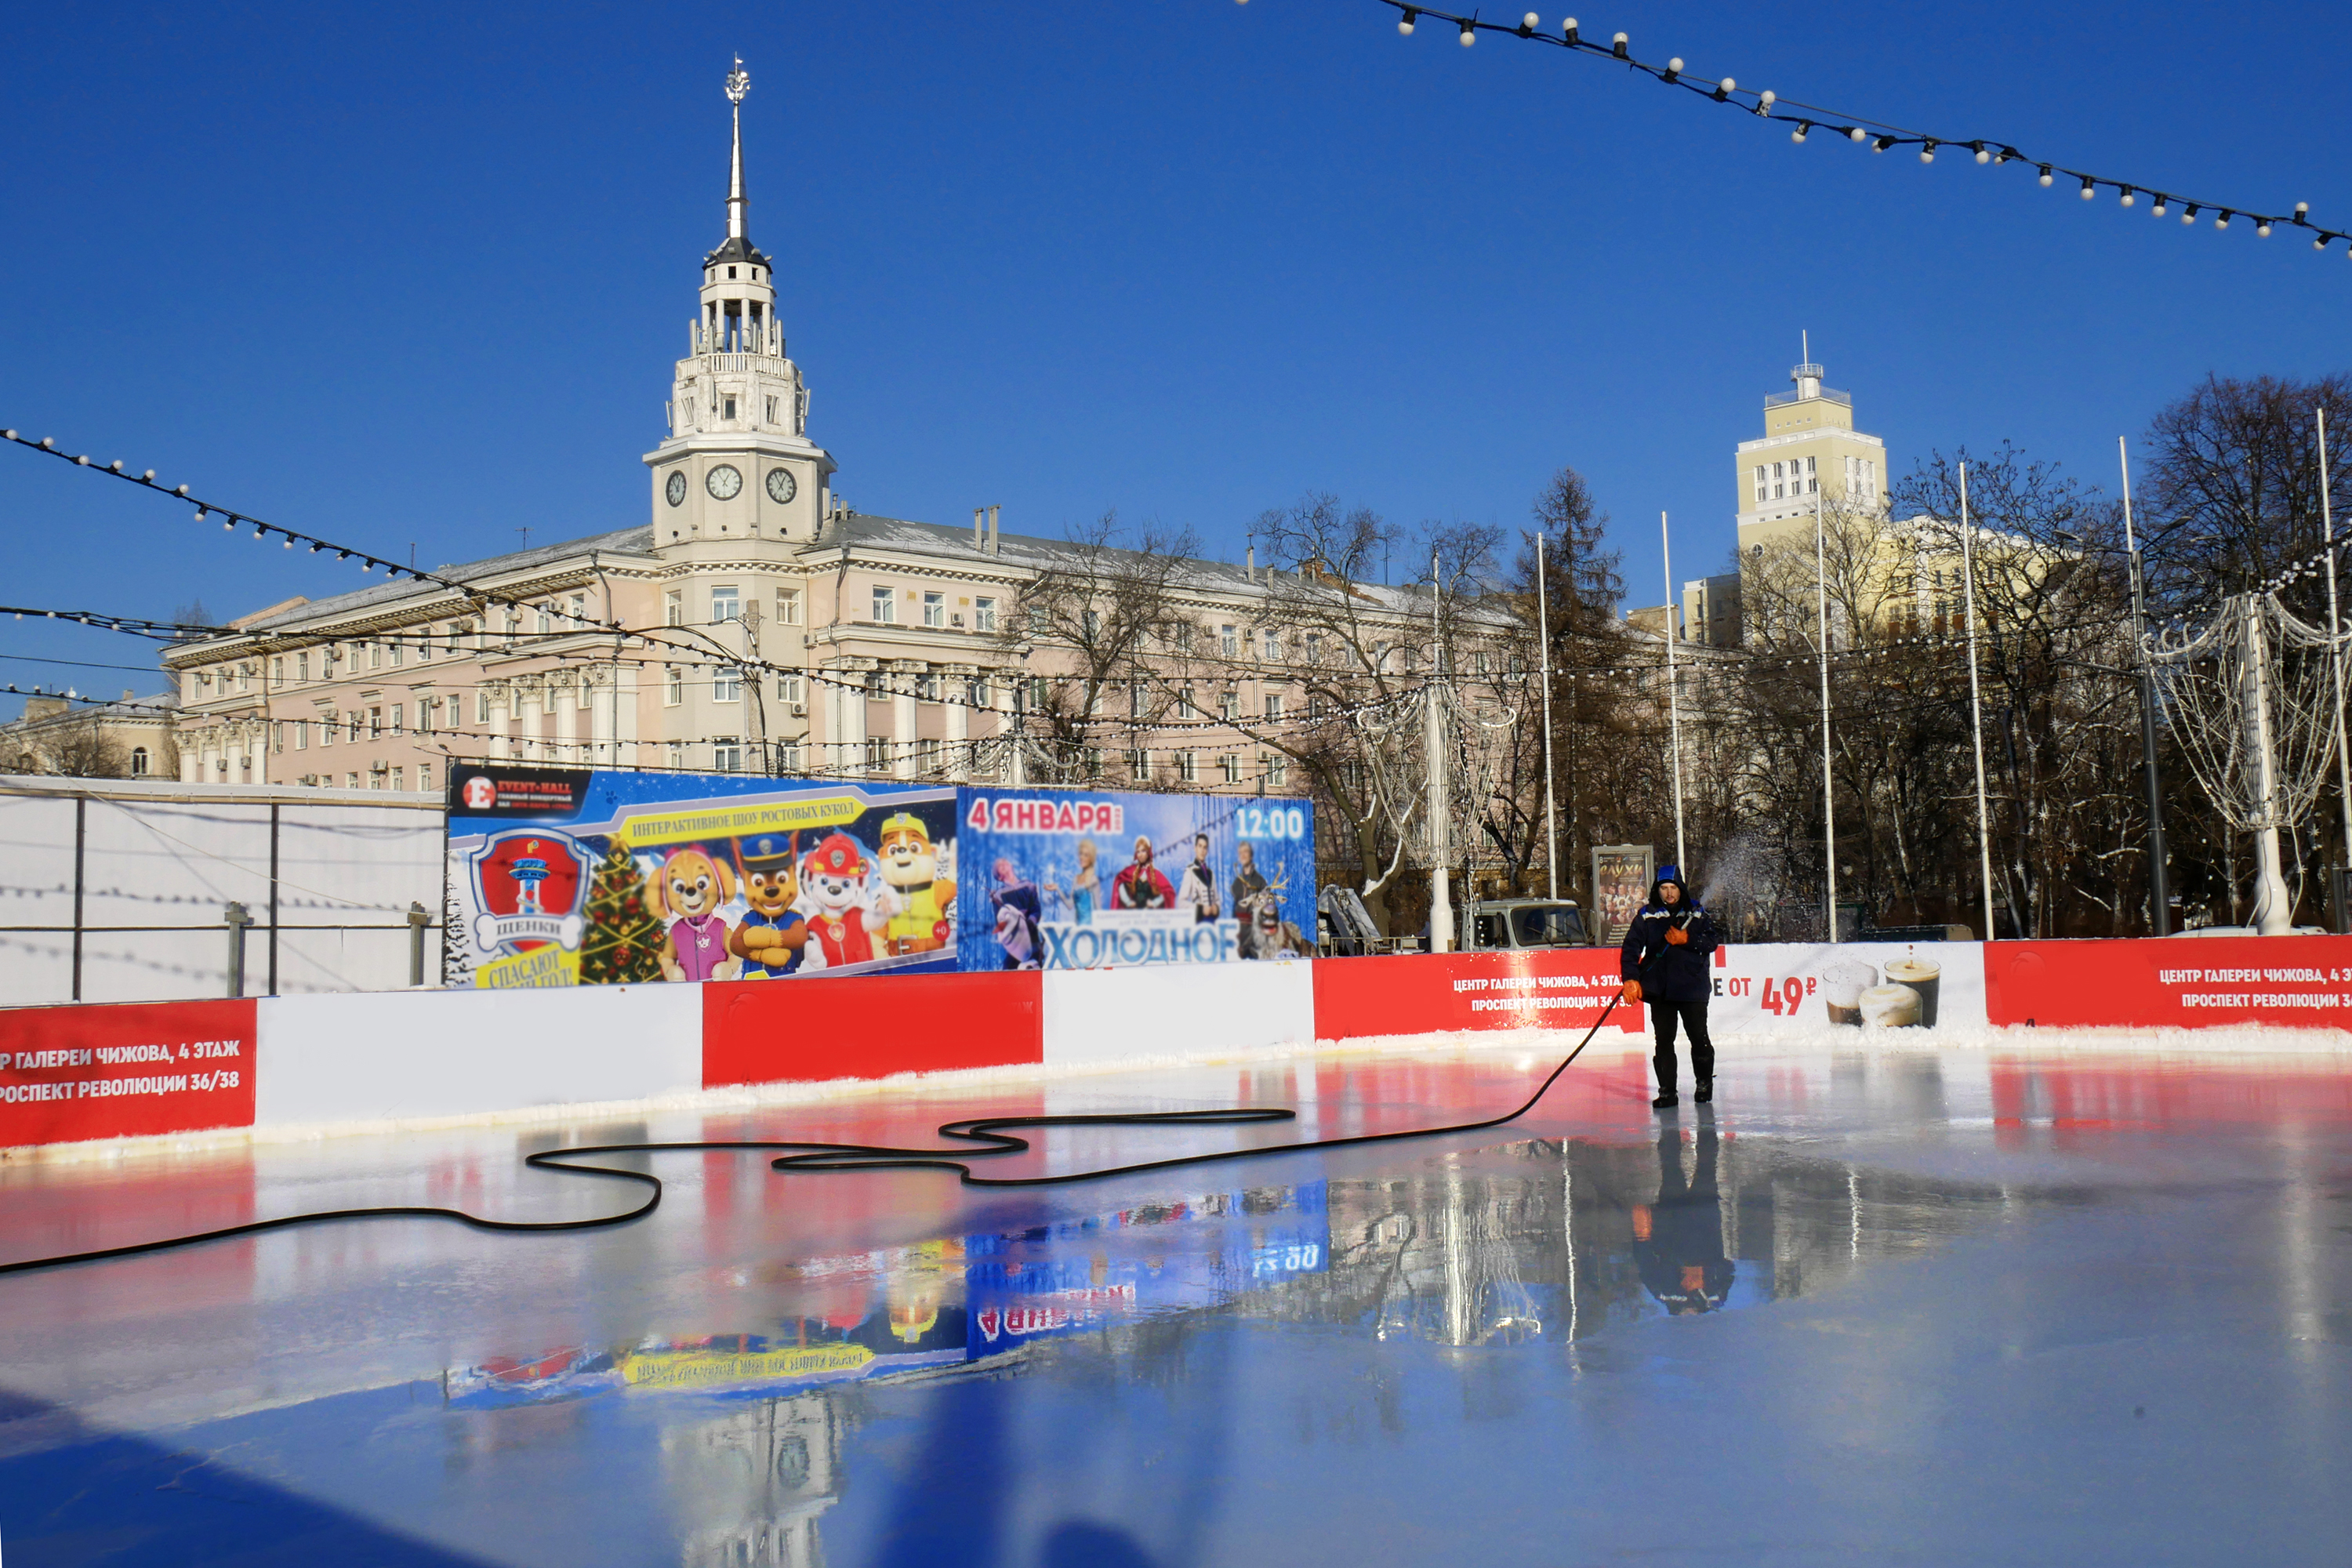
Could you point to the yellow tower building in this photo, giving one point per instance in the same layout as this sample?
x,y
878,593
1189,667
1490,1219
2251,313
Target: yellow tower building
x,y
1809,446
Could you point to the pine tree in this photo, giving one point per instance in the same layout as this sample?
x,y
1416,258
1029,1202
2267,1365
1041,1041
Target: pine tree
x,y
623,941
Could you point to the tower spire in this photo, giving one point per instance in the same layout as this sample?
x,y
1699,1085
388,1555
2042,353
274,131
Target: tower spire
x,y
738,84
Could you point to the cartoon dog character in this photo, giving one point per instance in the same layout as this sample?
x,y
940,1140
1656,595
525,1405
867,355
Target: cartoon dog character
x,y
773,935
845,912
692,886
910,869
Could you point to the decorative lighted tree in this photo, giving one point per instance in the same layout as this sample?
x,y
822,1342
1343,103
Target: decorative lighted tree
x,y
622,945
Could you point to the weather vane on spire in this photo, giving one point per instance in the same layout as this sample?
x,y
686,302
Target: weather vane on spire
x,y
738,83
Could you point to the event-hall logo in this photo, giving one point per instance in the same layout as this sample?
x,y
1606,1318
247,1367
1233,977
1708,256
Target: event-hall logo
x,y
529,885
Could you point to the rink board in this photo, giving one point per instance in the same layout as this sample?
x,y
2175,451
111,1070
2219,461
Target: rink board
x,y
71,1074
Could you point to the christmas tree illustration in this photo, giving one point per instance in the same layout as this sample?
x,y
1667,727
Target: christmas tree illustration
x,y
623,941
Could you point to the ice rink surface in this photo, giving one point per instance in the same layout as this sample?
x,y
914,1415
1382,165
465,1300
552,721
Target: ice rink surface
x,y
2035,1303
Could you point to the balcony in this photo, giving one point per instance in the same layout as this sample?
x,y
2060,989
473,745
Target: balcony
x,y
1826,394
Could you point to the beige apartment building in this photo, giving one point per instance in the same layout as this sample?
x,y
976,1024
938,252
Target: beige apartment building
x,y
769,625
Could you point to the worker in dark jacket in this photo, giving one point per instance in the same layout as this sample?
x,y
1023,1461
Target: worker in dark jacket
x,y
1665,964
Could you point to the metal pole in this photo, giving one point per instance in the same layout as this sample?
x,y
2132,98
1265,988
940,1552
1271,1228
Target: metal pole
x,y
1828,812
2336,656
273,897
1543,656
237,919
81,839
2271,914
1673,700
417,920
1441,816
2159,890
1976,702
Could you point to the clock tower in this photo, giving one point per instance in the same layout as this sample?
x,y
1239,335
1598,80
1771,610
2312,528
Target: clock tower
x,y
738,464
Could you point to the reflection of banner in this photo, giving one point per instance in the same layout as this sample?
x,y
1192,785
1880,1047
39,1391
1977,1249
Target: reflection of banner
x,y
626,879
1097,879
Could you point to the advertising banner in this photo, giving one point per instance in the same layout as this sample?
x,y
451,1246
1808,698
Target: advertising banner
x,y
124,1071
1100,880
1422,994
2301,982
576,878
1795,990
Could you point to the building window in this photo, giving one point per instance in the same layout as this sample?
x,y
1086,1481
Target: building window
x,y
929,687
878,690
1270,645
546,699
1230,766
926,756
1229,705
885,606
351,781
674,608
727,686
788,758
399,715
579,698
301,734
399,779
1273,707
877,754
1138,764
1274,769
1762,485
329,724
726,754
1036,694
137,762
1185,707
1188,767
789,688
788,606
678,753
982,697
673,686
772,411
729,413
935,609
726,604
375,724
1229,642
983,615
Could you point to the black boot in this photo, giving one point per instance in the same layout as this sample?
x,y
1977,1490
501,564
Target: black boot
x,y
1668,1100
1706,1095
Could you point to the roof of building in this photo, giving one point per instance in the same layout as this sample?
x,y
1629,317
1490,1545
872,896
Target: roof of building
x,y
622,541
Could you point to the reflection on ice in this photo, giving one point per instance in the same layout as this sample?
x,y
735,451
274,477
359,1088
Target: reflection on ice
x,y
1418,1352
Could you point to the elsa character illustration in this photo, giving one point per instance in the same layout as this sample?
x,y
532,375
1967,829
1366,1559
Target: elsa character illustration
x,y
1086,886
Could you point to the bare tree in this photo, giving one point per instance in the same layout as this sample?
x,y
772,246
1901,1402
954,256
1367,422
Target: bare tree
x,y
1097,609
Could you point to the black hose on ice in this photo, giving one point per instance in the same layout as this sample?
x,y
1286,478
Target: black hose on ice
x,y
990,1135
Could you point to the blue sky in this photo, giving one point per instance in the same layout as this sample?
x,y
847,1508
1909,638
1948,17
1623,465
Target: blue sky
x,y
419,276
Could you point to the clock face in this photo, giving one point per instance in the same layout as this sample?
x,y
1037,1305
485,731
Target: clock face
x,y
782,486
724,482
676,489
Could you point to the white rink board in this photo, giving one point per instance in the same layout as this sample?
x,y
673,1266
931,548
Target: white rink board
x,y
430,1054
1117,1014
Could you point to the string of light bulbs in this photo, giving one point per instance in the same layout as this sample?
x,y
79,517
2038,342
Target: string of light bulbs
x,y
1879,135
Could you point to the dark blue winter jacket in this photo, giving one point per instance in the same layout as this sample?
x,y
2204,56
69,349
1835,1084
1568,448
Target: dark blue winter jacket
x,y
1667,973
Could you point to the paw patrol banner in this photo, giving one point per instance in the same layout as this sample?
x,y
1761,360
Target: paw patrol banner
x,y
1097,880
580,877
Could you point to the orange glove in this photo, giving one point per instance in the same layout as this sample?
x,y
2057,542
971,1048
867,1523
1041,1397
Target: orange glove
x,y
1633,991
1677,937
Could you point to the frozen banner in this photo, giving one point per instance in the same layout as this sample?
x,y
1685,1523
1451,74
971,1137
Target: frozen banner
x,y
1096,879
564,877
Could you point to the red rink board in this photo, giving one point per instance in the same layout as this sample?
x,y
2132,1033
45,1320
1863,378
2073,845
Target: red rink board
x,y
772,1031
2301,982
125,1070
1420,993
